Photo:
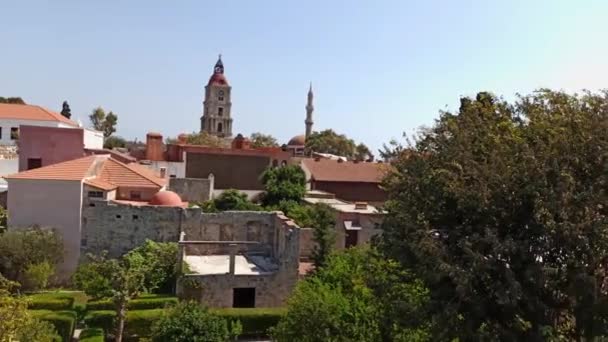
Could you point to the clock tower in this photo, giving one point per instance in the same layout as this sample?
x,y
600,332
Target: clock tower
x,y
217,119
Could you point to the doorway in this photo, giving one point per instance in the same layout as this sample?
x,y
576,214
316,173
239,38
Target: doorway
x,y
351,239
243,297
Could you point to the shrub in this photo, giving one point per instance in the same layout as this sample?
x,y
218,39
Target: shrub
x,y
38,331
255,321
64,321
138,321
188,321
36,276
162,262
51,301
145,302
92,335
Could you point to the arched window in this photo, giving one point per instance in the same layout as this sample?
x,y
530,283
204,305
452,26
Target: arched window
x,y
219,127
275,163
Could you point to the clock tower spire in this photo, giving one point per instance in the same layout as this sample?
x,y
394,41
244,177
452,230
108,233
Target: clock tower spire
x,y
217,117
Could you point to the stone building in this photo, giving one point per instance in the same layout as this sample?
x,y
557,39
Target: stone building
x,y
356,223
217,116
235,259
351,181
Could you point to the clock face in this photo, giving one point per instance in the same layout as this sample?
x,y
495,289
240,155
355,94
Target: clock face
x,y
218,70
221,93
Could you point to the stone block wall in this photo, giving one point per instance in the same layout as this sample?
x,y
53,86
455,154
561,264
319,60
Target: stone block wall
x,y
192,189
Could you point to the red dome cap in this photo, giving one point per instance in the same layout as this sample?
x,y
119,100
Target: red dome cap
x,y
218,79
166,198
298,140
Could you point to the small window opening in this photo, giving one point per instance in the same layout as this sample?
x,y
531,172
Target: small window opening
x,y
243,297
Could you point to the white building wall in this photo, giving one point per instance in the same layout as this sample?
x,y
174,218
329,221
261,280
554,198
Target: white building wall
x,y
7,167
93,139
7,124
173,169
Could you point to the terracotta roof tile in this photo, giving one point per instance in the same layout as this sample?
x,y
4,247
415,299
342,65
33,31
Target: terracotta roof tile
x,y
335,171
120,174
100,184
76,169
31,112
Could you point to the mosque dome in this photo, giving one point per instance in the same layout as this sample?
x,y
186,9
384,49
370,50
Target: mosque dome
x,y
166,198
298,140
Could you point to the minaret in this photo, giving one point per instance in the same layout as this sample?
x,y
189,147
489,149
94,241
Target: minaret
x,y
309,109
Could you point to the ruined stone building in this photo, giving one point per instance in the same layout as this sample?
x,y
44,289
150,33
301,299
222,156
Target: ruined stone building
x,y
234,259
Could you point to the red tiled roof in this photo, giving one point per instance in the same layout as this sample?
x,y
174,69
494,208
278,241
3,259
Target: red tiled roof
x,y
336,171
31,112
100,184
131,175
76,169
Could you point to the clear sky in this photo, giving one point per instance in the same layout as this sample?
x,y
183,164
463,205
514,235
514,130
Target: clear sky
x,y
378,68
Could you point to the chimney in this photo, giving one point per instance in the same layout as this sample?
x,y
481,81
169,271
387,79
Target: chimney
x,y
154,146
241,143
163,172
360,205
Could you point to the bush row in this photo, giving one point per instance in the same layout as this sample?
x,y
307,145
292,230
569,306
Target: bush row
x,y
92,335
143,303
255,321
64,321
51,301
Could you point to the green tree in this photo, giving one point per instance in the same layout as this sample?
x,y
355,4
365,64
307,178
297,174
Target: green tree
x,y
500,209
324,236
22,248
114,141
118,279
328,141
36,276
263,140
190,322
200,138
65,110
230,199
391,151
103,122
362,152
162,262
12,100
357,296
286,183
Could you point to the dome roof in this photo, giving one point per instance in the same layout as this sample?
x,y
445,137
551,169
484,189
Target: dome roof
x,y
218,79
166,198
298,140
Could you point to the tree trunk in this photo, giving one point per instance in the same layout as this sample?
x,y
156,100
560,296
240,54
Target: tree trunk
x,y
120,324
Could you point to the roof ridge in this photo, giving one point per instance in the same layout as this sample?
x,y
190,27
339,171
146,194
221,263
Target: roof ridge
x,y
55,115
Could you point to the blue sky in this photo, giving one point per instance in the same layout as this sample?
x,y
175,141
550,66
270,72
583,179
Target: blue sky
x,y
379,68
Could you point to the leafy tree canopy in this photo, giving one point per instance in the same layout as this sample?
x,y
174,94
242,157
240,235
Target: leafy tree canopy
x,y
230,199
114,141
103,122
328,141
286,183
190,322
162,264
357,296
22,249
501,210
263,140
202,138
12,100
323,219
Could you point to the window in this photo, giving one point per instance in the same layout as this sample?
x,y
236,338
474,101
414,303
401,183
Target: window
x,y
14,133
172,176
221,98
219,127
118,216
135,217
0,132
220,111
34,163
135,195
243,297
95,194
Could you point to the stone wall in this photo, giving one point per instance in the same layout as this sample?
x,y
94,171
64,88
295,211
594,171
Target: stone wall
x,y
192,189
271,290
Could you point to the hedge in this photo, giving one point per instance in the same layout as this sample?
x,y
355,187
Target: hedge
x,y
64,321
51,301
143,303
255,321
92,335
139,322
